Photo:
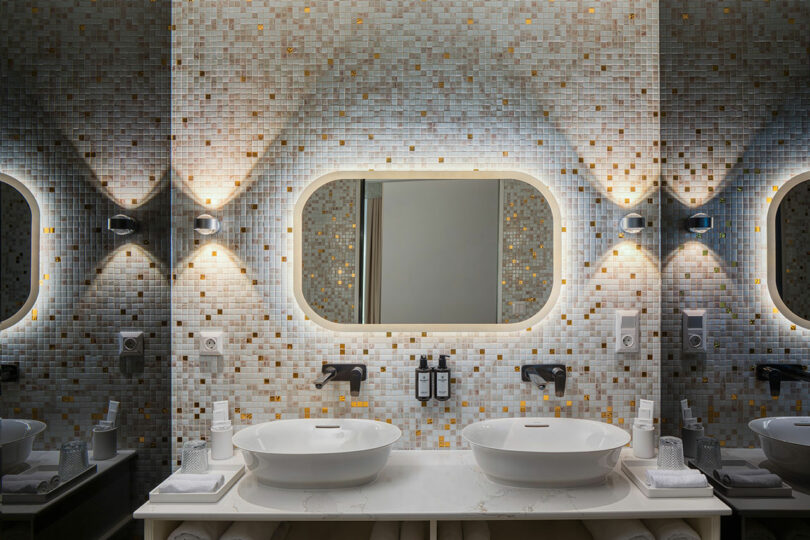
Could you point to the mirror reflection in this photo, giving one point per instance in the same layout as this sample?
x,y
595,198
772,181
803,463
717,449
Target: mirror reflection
x,y
16,230
792,245
438,251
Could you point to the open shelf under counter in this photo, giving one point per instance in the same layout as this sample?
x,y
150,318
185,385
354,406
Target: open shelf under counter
x,y
436,486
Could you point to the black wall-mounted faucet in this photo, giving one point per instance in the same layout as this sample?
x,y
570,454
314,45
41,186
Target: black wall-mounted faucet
x,y
354,373
541,374
776,373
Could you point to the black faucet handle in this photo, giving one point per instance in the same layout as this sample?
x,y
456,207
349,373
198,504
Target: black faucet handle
x,y
774,381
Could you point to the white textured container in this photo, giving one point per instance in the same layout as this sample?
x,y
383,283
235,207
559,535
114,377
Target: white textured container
x,y
643,442
317,453
222,443
545,452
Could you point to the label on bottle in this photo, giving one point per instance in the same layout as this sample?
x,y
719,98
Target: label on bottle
x,y
423,385
442,384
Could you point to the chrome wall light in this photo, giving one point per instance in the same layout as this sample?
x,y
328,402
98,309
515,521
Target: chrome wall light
x,y
632,223
700,223
206,224
122,225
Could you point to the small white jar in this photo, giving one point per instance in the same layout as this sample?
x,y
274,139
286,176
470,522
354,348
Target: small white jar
x,y
643,441
221,443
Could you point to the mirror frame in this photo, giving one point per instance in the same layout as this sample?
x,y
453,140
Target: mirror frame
x,y
426,175
34,292
772,212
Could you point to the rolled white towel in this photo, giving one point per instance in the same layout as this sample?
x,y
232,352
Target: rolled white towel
x,y
685,478
385,530
671,529
618,529
413,530
51,477
25,486
475,530
449,530
192,483
199,530
250,530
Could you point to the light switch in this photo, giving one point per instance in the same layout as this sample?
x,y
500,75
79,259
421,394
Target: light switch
x,y
627,339
694,330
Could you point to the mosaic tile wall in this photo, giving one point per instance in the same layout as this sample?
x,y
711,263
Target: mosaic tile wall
x,y
527,263
735,126
15,251
268,96
795,244
332,233
85,127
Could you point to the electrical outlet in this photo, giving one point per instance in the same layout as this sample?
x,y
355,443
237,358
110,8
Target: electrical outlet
x,y
627,330
211,343
694,330
130,343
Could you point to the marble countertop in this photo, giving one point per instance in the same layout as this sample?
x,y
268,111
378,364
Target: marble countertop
x,y
423,484
796,506
51,457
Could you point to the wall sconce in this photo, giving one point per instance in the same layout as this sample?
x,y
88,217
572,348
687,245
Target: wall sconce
x,y
122,225
700,223
632,223
206,224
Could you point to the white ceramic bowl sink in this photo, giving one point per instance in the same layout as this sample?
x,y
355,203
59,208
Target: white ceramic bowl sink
x,y
16,440
786,443
545,452
317,453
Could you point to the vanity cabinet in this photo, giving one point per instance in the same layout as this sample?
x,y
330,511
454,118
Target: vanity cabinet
x,y
435,486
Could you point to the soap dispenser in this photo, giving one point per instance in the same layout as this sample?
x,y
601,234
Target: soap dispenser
x,y
423,389
441,380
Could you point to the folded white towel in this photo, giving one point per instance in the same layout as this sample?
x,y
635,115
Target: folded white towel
x,y
413,530
449,530
671,529
687,478
475,530
385,530
25,486
247,530
199,530
618,529
192,483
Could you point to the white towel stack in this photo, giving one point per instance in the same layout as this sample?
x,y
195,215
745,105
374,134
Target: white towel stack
x,y
245,530
35,482
676,478
671,529
192,483
618,529
199,530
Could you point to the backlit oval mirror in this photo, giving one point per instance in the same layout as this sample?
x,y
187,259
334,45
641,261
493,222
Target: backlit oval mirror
x,y
19,251
789,250
421,251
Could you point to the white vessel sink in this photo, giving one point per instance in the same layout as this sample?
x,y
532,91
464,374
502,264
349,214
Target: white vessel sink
x,y
16,440
545,452
317,453
786,443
